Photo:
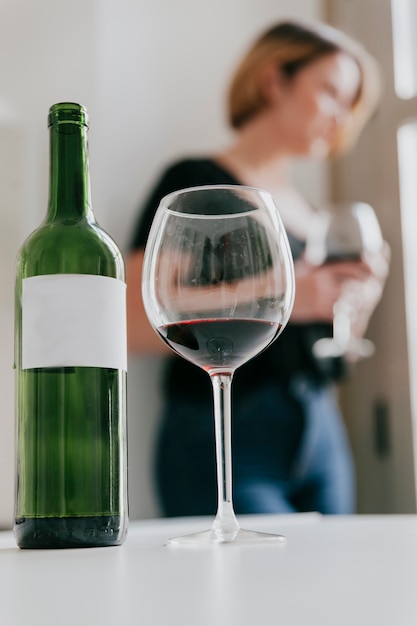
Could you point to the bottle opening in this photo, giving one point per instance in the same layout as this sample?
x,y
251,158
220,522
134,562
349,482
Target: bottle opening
x,y
67,112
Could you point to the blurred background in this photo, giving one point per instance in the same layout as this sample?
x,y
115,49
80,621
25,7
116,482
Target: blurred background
x,y
153,77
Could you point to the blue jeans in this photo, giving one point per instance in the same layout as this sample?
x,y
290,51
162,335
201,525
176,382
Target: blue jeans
x,y
290,453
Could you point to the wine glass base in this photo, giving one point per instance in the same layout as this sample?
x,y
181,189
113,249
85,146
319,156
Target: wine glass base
x,y
239,536
363,348
330,348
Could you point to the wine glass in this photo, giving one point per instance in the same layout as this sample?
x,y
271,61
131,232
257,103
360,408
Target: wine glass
x,y
218,287
345,232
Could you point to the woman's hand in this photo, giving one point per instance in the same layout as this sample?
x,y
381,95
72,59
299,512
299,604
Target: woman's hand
x,y
318,288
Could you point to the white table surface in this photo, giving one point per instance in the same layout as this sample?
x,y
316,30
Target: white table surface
x,y
333,571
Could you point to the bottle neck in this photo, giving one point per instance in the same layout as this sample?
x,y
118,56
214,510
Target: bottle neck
x,y
69,176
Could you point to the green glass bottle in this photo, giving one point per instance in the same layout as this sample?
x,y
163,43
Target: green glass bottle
x,y
70,359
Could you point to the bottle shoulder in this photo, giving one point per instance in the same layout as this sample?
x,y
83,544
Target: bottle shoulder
x,y
78,247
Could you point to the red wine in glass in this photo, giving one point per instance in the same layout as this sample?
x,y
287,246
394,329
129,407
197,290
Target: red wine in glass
x,y
219,343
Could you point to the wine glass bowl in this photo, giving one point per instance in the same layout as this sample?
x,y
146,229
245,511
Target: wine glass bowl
x,y
347,231
218,288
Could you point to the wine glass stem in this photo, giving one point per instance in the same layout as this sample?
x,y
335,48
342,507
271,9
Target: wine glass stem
x,y
225,523
341,324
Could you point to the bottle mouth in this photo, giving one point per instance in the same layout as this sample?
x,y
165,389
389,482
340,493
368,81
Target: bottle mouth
x,y
68,112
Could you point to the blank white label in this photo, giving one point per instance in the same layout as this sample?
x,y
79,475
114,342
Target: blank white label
x,y
71,320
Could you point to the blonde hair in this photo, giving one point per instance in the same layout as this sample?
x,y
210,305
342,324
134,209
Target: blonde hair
x,y
292,46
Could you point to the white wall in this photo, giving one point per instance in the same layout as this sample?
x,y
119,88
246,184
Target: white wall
x,y
152,75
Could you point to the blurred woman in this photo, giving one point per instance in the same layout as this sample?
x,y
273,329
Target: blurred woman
x,y
302,90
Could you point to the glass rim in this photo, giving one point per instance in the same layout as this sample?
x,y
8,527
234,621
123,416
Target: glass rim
x,y
165,201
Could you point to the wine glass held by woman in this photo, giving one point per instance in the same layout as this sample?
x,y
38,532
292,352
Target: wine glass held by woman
x,y
302,90
348,231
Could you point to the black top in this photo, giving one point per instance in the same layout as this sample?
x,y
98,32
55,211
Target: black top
x,y
290,354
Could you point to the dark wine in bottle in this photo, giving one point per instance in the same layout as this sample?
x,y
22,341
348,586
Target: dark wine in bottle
x,y
70,359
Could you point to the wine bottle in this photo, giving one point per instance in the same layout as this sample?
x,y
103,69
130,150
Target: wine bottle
x,y
70,360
